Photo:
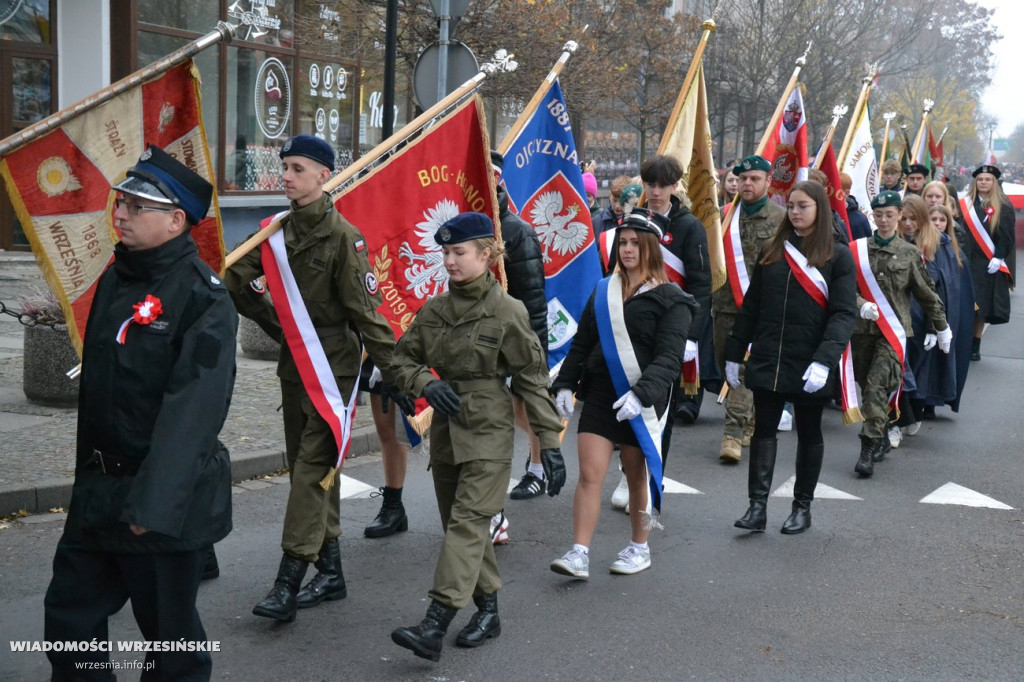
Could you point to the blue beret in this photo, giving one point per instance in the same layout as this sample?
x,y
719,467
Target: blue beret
x,y
752,163
463,228
887,198
310,147
160,177
645,220
918,168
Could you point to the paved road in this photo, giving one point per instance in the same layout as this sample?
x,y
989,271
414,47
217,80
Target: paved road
x,y
882,587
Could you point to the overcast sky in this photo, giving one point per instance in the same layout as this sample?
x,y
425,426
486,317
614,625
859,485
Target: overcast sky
x,y
1004,98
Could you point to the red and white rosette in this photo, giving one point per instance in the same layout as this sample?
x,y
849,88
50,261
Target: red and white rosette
x,y
146,311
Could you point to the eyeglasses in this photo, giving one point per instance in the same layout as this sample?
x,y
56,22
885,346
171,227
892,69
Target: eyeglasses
x,y
134,208
799,208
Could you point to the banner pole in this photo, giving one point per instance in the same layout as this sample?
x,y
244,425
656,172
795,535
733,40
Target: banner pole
x,y
837,113
709,27
858,111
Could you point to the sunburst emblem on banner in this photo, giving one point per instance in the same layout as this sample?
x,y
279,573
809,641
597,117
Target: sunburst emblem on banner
x,y
54,177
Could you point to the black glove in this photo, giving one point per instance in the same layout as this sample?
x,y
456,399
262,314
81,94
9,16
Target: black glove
x,y
390,393
442,397
554,469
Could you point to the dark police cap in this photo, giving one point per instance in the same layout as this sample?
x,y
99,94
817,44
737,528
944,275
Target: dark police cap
x,y
160,177
645,220
991,170
310,147
464,227
886,199
918,168
752,163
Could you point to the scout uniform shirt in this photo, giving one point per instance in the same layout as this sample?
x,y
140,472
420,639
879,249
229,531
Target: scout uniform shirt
x,y
756,229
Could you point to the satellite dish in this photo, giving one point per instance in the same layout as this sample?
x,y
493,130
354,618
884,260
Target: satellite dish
x,y
461,67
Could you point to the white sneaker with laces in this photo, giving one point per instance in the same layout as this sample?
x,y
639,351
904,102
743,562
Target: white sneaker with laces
x,y
786,421
912,429
573,563
895,436
631,560
620,498
499,528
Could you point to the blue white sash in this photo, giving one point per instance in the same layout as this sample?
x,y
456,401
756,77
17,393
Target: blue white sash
x,y
625,372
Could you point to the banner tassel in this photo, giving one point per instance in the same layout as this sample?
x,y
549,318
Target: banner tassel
x,y
327,481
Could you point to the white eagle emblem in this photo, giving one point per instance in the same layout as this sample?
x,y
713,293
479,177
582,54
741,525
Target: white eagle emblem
x,y
426,274
557,231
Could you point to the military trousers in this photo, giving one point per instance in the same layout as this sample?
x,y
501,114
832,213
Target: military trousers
x,y
468,495
312,516
879,373
739,403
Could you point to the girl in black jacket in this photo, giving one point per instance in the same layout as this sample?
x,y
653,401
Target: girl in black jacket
x,y
656,315
796,332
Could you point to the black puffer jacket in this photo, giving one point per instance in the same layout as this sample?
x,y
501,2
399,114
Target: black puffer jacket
x,y
688,240
524,267
789,330
657,321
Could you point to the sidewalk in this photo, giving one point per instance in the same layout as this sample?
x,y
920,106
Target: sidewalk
x,y
37,460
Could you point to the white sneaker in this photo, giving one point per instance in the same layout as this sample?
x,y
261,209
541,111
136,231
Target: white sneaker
x,y
573,563
895,436
631,560
499,528
620,498
786,421
912,429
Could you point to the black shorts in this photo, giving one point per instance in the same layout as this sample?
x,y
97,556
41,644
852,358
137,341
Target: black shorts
x,y
598,416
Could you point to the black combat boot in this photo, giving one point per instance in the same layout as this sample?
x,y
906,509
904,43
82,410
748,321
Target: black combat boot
x,y
426,639
759,482
391,518
484,624
329,583
279,604
808,467
865,466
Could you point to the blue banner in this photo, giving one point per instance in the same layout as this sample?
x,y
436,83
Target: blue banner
x,y
545,187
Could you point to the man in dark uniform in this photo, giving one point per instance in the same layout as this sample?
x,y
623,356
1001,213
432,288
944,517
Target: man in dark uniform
x,y
916,175
152,483
327,256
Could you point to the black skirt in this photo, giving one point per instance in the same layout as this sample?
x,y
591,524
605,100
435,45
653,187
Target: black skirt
x,y
598,416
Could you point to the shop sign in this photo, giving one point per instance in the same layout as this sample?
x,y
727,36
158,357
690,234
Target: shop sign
x,y
273,101
257,20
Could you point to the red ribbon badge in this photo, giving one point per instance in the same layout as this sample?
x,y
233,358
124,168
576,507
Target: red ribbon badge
x,y
146,311
989,211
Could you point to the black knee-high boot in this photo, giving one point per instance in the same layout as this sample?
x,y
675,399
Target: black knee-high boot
x,y
808,467
759,483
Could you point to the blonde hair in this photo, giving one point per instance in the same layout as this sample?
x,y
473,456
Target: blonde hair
x,y
926,238
950,229
996,199
497,248
947,201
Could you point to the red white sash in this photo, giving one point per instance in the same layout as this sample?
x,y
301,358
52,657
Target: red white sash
x,y
304,343
606,246
813,282
735,265
980,233
887,320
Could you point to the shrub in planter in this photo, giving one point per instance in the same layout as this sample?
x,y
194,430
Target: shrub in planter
x,y
48,354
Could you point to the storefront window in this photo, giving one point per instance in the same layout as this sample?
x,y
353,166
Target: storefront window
x,y
188,15
267,22
371,111
326,104
26,21
258,118
31,100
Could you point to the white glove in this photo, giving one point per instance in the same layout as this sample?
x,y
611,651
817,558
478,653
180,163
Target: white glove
x,y
815,377
691,351
945,339
732,373
629,407
994,265
564,403
869,311
929,341
375,377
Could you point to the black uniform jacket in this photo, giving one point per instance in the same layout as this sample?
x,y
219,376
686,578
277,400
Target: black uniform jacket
x,y
789,330
688,240
657,321
157,402
524,267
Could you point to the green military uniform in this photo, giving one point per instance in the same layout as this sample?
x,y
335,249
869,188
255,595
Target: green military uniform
x,y
898,268
328,258
756,229
474,336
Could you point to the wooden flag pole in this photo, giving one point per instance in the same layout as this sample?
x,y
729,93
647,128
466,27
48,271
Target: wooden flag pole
x,y
709,27
837,113
858,111
928,104
364,161
567,51
888,116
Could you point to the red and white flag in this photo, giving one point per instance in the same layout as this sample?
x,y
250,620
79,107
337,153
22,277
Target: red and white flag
x,y
834,190
787,148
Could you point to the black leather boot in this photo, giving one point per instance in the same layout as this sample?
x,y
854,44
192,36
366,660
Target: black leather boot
x,y
391,518
279,604
484,624
426,639
808,468
329,582
759,483
865,466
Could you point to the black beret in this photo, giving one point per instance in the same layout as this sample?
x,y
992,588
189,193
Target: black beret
x,y
991,170
918,168
310,147
160,177
463,228
645,220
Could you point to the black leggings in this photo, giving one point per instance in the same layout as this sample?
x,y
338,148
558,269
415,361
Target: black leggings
x,y
807,416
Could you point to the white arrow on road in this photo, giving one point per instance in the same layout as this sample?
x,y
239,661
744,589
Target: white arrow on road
x,y
951,493
671,486
350,487
821,491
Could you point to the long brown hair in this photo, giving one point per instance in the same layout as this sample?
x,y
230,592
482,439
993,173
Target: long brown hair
x,y
950,229
819,245
652,264
996,199
926,240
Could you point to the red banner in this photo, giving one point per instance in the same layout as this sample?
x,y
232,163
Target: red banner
x,y
401,204
60,183
834,190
